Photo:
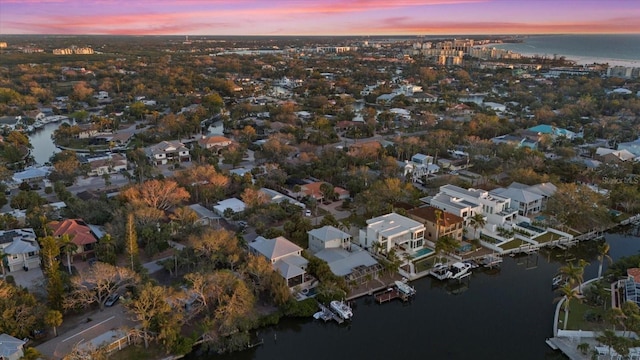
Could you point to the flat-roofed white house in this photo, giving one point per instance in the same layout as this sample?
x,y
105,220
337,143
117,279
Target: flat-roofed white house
x,y
167,151
21,249
285,257
11,348
392,230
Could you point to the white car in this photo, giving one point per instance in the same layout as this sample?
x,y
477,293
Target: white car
x,y
307,212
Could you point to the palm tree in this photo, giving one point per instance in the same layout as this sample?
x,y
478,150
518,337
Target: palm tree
x,y
603,253
438,214
69,247
446,244
582,264
477,222
567,293
572,273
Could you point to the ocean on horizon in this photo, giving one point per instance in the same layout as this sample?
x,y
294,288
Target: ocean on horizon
x,y
618,49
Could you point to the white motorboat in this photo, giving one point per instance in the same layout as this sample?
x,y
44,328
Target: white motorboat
x,y
558,281
440,271
342,309
460,270
405,288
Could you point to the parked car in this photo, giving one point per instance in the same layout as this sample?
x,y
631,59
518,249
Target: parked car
x,y
111,300
307,212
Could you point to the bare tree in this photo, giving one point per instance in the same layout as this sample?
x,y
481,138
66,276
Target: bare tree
x,y
147,307
98,283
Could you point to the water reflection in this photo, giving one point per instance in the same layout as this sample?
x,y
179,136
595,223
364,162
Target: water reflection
x,y
503,313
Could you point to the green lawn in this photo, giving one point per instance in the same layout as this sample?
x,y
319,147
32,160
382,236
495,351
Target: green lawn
x,y
424,264
546,237
577,321
513,244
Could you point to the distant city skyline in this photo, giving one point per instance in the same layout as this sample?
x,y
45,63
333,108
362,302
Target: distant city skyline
x,y
318,17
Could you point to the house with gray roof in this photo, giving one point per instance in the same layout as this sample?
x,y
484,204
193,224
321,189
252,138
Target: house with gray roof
x,y
285,257
526,202
167,151
10,347
21,247
345,259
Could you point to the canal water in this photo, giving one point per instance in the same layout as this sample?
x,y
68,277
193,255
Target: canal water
x,y
501,314
43,146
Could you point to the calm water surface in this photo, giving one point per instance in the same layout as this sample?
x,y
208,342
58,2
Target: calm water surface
x,y
506,314
43,146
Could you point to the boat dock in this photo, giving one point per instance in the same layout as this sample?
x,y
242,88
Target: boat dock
x,y
327,314
390,294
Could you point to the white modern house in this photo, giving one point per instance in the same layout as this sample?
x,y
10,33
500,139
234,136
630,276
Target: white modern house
x,y
167,151
21,249
393,230
285,257
465,203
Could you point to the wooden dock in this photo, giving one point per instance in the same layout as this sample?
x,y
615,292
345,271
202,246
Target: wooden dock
x,y
390,294
327,314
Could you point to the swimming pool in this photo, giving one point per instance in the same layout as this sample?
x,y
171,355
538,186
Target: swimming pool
x,y
422,253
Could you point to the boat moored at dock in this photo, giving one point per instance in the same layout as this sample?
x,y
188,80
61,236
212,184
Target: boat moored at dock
x,y
405,288
460,270
440,271
342,309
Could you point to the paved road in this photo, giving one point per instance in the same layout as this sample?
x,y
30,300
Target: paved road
x,y
80,329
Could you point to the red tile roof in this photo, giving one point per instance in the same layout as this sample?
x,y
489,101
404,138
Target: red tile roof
x,y
79,232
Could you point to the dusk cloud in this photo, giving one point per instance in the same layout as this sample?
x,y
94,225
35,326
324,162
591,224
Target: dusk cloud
x,y
316,17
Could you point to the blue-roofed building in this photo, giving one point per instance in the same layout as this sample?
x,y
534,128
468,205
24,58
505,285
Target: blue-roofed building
x,y
554,131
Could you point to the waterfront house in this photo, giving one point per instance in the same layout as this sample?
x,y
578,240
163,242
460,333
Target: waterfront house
x,y
21,249
390,231
467,202
167,151
79,232
345,259
438,223
527,202
631,146
285,257
11,348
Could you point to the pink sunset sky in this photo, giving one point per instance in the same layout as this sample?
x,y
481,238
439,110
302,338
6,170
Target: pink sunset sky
x,y
318,17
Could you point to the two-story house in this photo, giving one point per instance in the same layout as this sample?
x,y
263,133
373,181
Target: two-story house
x,y
386,232
345,259
79,232
21,249
438,223
285,257
167,151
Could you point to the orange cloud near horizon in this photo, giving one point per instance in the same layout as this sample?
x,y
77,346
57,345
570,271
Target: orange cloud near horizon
x,y
316,17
